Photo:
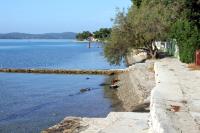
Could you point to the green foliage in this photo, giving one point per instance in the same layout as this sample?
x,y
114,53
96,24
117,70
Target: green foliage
x,y
193,11
188,39
148,21
118,45
137,2
84,35
186,31
138,29
102,33
116,50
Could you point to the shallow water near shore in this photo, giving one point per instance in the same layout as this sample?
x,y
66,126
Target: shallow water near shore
x,y
32,102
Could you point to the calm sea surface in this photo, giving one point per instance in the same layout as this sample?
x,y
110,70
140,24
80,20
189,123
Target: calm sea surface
x,y
32,102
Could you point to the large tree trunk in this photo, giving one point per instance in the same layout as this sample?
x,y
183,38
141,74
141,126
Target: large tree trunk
x,y
153,54
153,50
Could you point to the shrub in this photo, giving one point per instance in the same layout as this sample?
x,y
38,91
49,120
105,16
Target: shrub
x,y
187,37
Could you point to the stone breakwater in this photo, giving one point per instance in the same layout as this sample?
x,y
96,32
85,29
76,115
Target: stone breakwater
x,y
64,71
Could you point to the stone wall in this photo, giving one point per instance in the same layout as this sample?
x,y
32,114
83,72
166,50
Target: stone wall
x,y
136,84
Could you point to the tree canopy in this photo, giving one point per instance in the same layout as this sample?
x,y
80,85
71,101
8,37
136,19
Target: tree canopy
x,y
148,21
84,35
101,34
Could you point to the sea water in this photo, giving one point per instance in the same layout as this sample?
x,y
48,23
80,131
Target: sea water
x,y
32,102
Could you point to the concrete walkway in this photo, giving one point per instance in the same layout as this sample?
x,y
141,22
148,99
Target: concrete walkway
x,y
115,122
175,101
121,122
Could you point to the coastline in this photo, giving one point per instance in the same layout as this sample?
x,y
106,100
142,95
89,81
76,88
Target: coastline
x,y
135,85
174,105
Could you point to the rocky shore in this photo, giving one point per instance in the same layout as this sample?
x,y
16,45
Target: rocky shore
x,y
133,90
173,97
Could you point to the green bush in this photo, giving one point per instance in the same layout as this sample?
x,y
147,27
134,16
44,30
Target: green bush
x,y
187,37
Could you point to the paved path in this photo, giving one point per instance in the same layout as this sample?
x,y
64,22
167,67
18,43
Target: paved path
x,y
175,101
121,122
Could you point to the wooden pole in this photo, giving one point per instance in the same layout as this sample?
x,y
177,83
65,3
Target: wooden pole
x,y
89,44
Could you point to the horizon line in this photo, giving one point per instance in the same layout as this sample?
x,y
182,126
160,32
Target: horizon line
x,y
39,33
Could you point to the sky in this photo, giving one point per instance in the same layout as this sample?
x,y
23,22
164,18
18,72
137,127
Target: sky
x,y
44,16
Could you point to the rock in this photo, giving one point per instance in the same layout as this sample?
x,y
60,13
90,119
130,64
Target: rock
x,y
112,74
87,78
103,84
115,81
85,90
68,125
143,107
114,87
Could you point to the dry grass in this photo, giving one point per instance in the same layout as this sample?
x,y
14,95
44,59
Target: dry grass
x,y
193,67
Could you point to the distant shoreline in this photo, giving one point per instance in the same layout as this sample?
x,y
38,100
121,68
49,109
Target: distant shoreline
x,y
16,35
42,40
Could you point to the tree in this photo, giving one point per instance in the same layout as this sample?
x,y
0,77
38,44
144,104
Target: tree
x,y
102,33
84,35
138,29
118,45
193,11
150,23
137,3
186,30
188,39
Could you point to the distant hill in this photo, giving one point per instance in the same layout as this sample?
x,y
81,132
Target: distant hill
x,y
16,35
